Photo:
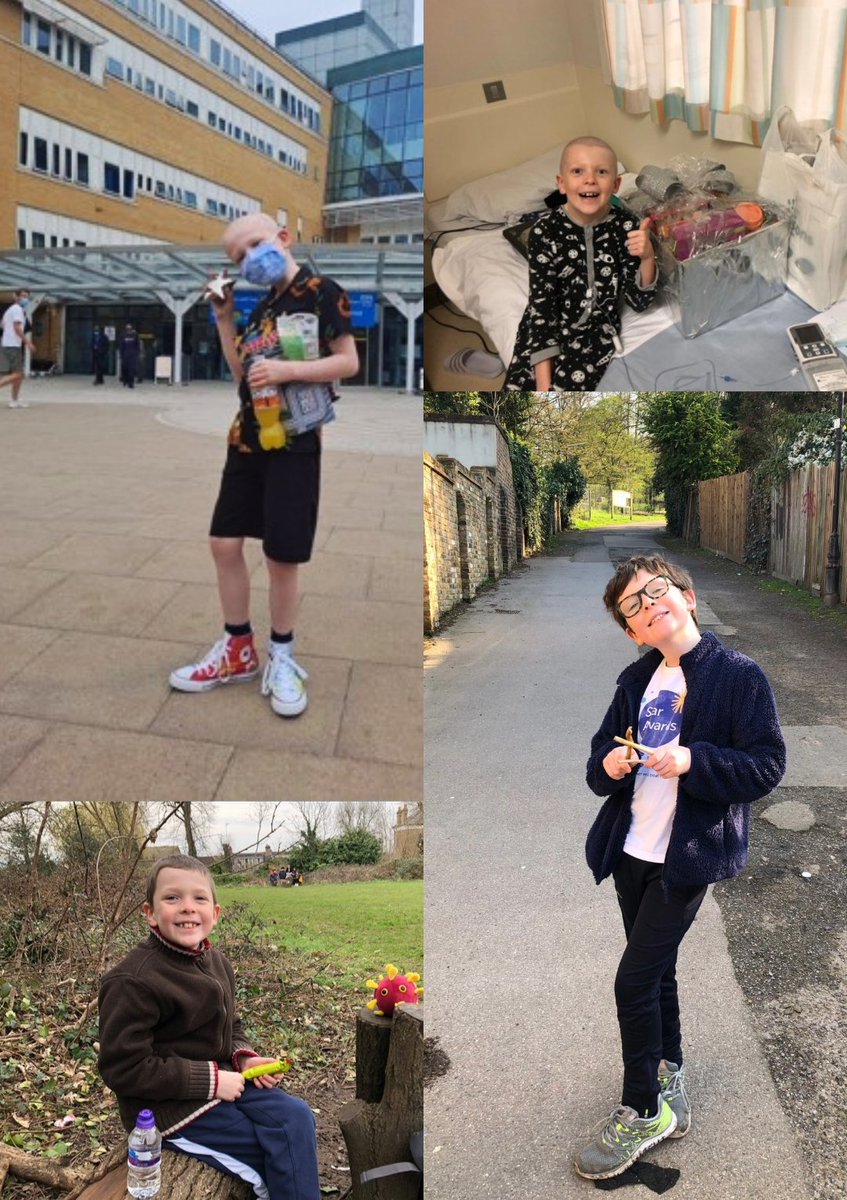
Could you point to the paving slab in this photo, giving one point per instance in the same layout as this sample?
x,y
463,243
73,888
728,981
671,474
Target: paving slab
x,y
98,553
100,603
104,515
20,647
18,736
389,583
381,543
817,756
375,630
94,679
370,728
24,540
280,776
23,585
71,762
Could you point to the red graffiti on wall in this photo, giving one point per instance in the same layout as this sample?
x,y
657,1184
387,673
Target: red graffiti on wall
x,y
810,503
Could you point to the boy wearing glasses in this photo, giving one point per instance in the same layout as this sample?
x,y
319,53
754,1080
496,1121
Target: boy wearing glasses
x,y
676,819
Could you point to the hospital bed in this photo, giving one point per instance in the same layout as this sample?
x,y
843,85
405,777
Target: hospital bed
x,y
486,278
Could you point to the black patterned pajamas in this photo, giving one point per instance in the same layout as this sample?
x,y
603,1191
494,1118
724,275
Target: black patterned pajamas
x,y
577,277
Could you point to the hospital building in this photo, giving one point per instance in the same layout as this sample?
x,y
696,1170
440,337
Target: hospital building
x,y
133,124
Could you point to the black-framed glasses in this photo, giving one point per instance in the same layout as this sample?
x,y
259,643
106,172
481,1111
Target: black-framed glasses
x,y
630,606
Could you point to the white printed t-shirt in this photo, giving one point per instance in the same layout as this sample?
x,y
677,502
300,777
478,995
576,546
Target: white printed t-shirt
x,y
13,313
654,798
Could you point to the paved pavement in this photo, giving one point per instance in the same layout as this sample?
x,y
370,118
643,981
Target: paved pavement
x,y
522,947
106,584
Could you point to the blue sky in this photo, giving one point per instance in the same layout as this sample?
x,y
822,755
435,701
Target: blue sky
x,y
268,18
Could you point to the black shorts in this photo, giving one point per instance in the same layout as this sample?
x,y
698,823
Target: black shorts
x,y
272,495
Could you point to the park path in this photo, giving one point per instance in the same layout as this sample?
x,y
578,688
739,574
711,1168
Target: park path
x,y
522,947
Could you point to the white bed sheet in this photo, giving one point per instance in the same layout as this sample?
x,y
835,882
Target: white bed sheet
x,y
486,278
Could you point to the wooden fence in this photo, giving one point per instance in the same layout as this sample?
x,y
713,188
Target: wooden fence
x,y
801,523
723,514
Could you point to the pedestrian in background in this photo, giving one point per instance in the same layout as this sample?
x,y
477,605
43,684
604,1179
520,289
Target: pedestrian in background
x,y
15,336
99,353
130,351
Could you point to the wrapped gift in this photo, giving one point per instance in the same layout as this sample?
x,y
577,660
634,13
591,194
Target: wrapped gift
x,y
717,284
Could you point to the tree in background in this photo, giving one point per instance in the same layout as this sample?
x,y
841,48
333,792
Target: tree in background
x,y
19,843
769,423
374,816
692,441
354,846
612,447
80,830
510,409
777,433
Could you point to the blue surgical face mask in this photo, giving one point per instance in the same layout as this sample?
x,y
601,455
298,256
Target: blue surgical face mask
x,y
265,264
24,302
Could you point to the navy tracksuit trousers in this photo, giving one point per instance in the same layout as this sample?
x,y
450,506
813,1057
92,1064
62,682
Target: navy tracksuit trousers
x,y
645,985
265,1137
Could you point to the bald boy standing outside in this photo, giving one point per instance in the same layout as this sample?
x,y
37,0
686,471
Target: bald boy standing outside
x,y
270,485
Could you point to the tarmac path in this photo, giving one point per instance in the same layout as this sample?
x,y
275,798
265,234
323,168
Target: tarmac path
x,y
107,583
522,947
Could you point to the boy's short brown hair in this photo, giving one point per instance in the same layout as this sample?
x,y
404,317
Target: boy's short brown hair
x,y
626,572
181,862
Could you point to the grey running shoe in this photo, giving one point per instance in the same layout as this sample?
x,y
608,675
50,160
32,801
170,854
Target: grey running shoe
x,y
624,1138
672,1083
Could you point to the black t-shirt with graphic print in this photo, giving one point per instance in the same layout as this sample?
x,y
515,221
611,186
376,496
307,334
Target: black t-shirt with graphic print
x,y
323,309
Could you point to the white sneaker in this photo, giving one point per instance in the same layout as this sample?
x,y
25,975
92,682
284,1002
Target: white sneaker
x,y
14,404
23,404
283,681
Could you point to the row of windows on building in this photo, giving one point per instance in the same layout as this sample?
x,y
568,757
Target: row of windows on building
x,y
75,167
288,158
71,52
175,22
387,239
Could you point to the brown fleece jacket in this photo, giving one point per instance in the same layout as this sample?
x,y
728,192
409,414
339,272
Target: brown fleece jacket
x,y
167,1026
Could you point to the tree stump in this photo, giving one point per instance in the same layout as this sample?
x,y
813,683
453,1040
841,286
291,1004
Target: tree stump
x,y
373,1039
183,1178
378,1134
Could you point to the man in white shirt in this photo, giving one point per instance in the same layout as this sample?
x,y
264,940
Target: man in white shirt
x,y
14,338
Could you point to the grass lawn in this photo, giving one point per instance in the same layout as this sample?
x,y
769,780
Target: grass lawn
x,y
356,927
599,519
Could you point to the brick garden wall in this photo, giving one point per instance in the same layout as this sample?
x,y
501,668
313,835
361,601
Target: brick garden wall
x,y
471,529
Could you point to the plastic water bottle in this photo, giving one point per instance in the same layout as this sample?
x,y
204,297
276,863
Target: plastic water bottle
x,y
144,1160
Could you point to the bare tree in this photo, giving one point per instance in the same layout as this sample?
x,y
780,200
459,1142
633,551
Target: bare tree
x,y
314,817
374,816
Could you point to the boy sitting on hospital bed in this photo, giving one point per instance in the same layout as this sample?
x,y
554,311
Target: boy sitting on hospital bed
x,y
583,256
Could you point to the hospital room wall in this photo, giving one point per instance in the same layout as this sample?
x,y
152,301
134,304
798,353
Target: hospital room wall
x,y
471,42
547,52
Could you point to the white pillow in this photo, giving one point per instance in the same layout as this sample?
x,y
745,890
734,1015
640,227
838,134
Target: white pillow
x,y
506,195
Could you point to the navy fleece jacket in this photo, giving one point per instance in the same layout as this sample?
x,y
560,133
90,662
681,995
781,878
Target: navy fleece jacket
x,y
729,724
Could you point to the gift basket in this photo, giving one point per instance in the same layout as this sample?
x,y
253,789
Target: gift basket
x,y
721,252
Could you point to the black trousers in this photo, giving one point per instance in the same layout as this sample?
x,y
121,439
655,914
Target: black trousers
x,y
645,985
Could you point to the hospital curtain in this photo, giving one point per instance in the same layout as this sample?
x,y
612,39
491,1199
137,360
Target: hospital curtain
x,y
724,66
